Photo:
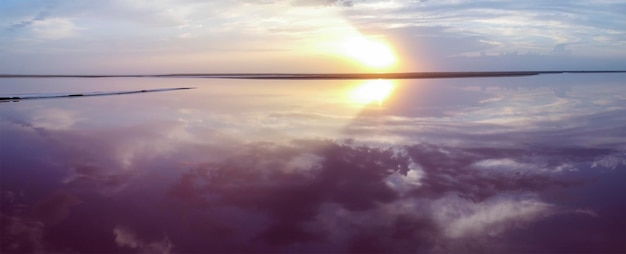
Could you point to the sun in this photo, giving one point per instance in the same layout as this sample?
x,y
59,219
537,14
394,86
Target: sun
x,y
372,91
370,52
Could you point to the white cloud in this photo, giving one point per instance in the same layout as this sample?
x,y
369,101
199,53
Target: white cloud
x,y
463,218
304,163
504,164
611,161
187,34
405,183
54,28
55,119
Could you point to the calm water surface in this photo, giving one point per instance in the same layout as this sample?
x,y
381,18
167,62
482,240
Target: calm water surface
x,y
497,165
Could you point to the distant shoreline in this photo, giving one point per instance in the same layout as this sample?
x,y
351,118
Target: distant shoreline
x,y
87,94
399,75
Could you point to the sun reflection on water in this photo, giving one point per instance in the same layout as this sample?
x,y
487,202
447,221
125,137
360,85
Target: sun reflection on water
x,y
372,91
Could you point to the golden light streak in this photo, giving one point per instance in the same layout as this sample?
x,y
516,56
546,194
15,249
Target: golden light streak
x,y
372,91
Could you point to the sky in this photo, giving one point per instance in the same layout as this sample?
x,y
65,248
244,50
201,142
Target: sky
x,y
309,36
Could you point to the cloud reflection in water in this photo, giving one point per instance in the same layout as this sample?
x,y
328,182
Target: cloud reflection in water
x,y
430,175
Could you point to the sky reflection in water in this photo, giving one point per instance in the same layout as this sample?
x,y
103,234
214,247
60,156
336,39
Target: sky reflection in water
x,y
527,164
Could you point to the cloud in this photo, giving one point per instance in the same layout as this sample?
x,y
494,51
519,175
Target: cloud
x,y
46,26
468,30
41,16
55,119
514,112
304,163
21,234
503,164
340,196
429,36
363,198
108,181
207,192
403,183
54,28
489,218
119,157
610,161
346,3
125,238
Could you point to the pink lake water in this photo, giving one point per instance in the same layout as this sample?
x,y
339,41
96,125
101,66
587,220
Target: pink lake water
x,y
497,165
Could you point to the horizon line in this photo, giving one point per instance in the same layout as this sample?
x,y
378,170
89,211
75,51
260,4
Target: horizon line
x,y
364,75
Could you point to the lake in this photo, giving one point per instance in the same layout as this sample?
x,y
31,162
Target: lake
x,y
495,165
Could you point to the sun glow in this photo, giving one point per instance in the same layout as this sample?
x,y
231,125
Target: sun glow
x,y
370,52
372,91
